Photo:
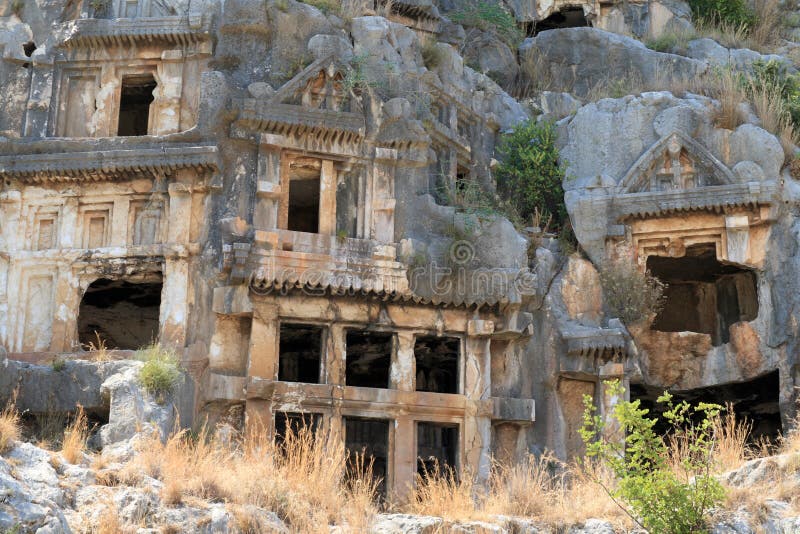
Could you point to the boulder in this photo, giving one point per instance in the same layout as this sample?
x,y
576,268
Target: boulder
x,y
577,59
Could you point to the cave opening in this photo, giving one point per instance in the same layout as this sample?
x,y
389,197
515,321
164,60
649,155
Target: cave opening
x,y
304,196
136,95
121,314
703,295
437,449
369,357
367,443
567,17
437,363
755,401
300,353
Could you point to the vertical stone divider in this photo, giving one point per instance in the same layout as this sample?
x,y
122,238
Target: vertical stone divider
x,y
606,401
327,198
402,377
268,190
165,111
382,198
262,363
119,222
476,434
174,295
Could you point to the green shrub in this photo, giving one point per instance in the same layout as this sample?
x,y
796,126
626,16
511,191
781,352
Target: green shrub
x,y
489,16
58,364
630,294
666,487
773,76
161,372
530,175
736,13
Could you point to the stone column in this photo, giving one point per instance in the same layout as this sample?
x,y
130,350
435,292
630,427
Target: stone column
x,y
383,201
402,373
264,343
166,116
335,356
477,431
67,300
606,401
174,302
119,222
268,190
403,454
180,213
327,198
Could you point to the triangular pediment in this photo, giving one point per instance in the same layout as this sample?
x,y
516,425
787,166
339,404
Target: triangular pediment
x,y
675,162
322,85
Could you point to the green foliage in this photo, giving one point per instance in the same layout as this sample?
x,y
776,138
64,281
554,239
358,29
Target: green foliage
x,y
666,42
58,364
665,492
489,16
356,77
431,54
736,13
161,372
773,76
530,175
630,294
326,6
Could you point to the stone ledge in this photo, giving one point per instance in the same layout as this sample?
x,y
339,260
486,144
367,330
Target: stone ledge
x,y
510,410
121,32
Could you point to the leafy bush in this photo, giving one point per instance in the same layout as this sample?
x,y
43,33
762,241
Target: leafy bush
x,y
530,175
489,16
160,373
663,492
773,76
630,294
732,12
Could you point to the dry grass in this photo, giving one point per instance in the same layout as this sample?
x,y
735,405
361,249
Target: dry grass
x,y
75,437
306,480
766,32
730,435
540,488
9,425
98,352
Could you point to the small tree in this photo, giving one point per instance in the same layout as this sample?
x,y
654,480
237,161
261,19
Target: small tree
x,y
530,175
630,294
665,486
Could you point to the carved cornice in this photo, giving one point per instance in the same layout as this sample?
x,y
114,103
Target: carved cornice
x,y
96,33
336,127
107,165
595,342
716,198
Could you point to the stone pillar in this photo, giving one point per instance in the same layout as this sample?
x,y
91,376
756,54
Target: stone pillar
x,y
263,349
477,431
105,121
180,213
174,302
66,303
403,454
258,420
119,222
383,201
606,401
166,114
335,356
41,93
327,198
268,190
403,372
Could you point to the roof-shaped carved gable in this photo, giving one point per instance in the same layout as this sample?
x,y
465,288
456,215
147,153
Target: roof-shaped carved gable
x,y
675,162
322,85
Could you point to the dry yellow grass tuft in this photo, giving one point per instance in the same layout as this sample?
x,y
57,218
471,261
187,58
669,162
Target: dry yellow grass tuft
x,y
306,480
542,488
75,437
9,425
730,435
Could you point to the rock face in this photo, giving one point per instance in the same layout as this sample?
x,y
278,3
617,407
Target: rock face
x,y
299,200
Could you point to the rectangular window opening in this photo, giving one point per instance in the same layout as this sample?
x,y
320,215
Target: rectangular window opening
x,y
300,353
304,195
136,95
437,449
369,438
437,363
369,357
